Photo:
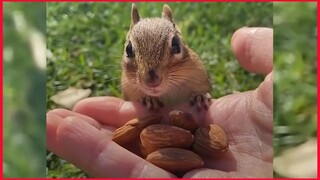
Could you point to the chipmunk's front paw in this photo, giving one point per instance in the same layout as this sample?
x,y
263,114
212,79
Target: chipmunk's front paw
x,y
152,103
201,101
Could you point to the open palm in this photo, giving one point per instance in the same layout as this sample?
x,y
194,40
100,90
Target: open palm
x,y
83,136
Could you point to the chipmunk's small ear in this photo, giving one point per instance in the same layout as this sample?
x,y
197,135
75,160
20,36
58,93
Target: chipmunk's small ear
x,y
166,13
135,17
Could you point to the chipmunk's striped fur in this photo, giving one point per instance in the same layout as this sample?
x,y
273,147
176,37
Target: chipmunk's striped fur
x,y
158,67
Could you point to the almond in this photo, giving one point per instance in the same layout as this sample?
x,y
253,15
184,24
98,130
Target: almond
x,y
210,140
175,159
183,120
133,128
159,136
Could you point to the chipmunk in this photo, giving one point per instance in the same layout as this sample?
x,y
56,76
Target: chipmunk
x,y
158,68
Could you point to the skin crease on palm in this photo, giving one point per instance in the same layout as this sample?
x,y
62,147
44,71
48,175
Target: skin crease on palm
x,y
83,136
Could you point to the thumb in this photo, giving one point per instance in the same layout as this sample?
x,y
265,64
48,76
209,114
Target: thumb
x,y
253,48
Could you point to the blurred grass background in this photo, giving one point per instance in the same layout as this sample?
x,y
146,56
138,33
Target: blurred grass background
x,y
24,91
295,71
85,44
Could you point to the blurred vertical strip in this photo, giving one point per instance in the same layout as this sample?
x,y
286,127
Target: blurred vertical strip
x,y
295,98
1,90
24,103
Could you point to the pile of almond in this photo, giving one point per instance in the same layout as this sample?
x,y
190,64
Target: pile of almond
x,y
177,147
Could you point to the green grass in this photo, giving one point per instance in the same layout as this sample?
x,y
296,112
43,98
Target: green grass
x,y
86,40
295,70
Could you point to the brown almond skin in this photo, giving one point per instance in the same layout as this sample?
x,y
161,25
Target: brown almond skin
x,y
210,141
132,129
159,136
175,160
183,120
143,150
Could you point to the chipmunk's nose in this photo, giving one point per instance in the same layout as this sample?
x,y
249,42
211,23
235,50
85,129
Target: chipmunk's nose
x,y
152,79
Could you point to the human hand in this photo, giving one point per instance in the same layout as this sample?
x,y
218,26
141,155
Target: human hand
x,y
83,136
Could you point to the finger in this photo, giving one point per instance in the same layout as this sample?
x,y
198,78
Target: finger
x,y
260,108
63,113
261,104
110,110
82,144
54,118
253,48
116,112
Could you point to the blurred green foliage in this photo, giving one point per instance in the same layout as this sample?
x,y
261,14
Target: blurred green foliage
x,y
86,41
24,94
295,71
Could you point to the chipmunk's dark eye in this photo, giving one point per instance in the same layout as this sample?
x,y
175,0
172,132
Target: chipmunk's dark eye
x,y
129,50
175,45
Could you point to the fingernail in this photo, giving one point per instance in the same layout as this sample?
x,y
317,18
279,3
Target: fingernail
x,y
269,77
126,106
252,30
244,27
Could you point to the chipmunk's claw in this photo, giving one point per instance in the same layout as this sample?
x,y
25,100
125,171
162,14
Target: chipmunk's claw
x,y
152,103
201,101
